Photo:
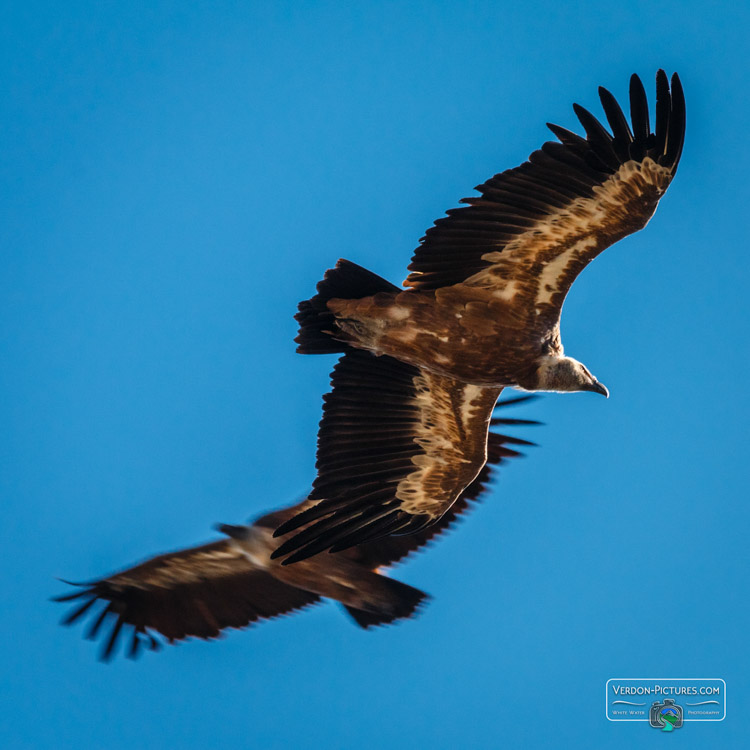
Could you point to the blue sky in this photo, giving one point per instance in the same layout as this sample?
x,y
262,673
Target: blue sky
x,y
175,178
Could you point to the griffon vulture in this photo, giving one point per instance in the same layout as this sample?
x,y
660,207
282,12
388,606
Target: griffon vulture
x,y
232,583
488,281
401,438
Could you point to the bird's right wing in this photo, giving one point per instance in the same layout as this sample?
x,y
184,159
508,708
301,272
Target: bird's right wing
x,y
198,592
534,228
396,447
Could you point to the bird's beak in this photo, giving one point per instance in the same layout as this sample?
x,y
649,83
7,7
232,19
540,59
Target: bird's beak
x,y
598,387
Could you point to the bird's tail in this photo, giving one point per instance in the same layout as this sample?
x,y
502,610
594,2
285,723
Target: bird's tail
x,y
317,328
385,600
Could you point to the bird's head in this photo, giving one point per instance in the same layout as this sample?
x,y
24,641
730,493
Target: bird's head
x,y
240,533
563,374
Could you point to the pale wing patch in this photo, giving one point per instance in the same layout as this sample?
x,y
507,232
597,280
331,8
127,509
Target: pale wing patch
x,y
185,567
471,401
510,289
398,313
406,335
452,433
573,235
555,270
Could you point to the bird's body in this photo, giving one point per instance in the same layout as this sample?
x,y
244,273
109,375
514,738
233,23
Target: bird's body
x,y
233,582
432,329
435,329
339,577
201,591
481,313
488,282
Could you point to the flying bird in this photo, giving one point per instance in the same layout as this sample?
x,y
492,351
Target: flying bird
x,y
403,432
488,281
232,583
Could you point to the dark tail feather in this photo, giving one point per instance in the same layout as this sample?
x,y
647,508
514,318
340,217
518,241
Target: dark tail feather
x,y
397,601
316,323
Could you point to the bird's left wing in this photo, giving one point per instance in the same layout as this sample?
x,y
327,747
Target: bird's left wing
x,y
500,448
396,447
193,592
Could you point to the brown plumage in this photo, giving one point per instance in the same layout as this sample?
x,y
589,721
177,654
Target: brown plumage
x,y
232,583
397,445
488,281
400,438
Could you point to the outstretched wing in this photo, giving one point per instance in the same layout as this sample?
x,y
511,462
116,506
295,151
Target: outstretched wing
x,y
534,228
396,447
392,549
193,592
